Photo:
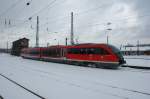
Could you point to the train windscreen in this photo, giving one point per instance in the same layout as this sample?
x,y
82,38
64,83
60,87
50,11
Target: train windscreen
x,y
116,51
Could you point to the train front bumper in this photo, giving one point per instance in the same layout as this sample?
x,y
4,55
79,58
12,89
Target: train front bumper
x,y
122,61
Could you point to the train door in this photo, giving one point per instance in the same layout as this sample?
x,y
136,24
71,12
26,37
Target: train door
x,y
40,52
105,55
63,52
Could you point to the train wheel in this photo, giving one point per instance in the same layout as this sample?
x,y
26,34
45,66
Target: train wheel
x,y
76,63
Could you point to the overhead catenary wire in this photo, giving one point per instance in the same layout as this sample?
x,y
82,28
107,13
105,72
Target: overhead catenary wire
x,y
47,7
87,11
83,12
93,25
103,23
20,11
62,17
10,22
10,8
49,4
129,18
79,13
92,9
26,20
54,20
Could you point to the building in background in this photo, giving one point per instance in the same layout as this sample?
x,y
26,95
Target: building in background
x,y
18,45
140,49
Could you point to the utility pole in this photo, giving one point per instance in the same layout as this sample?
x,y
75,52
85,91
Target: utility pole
x,y
7,47
72,35
66,41
138,50
47,44
37,32
107,35
107,39
107,30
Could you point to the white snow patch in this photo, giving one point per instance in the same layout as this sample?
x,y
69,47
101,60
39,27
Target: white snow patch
x,y
142,61
61,81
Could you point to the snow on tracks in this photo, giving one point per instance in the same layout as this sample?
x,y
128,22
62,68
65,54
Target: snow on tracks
x,y
59,81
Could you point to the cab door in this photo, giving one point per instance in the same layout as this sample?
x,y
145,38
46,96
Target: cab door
x,y
105,55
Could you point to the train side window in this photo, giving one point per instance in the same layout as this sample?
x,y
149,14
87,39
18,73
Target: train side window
x,y
104,52
90,50
45,52
83,51
76,51
34,52
96,51
73,51
87,51
100,51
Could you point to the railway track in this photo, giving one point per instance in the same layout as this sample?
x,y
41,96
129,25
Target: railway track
x,y
136,67
23,87
58,77
138,70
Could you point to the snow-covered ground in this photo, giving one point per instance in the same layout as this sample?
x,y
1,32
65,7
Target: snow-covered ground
x,y
142,61
10,91
147,57
60,81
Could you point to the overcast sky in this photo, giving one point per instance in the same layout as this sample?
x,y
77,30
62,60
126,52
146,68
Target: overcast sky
x,y
129,21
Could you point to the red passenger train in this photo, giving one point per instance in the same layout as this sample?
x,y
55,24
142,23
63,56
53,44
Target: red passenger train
x,y
95,55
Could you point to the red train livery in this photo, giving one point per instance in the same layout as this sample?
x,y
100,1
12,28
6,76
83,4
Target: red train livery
x,y
96,55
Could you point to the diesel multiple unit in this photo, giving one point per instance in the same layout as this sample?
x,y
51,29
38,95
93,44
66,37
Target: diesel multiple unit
x,y
97,55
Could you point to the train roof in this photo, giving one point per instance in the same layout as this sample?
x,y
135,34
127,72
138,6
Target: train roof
x,y
70,46
88,45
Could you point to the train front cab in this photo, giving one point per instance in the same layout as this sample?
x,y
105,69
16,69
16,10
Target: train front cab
x,y
113,59
118,53
101,56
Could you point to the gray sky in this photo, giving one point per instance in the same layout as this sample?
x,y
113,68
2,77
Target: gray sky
x,y
129,21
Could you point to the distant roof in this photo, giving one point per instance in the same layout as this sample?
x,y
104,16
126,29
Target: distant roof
x,y
140,45
24,38
21,39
